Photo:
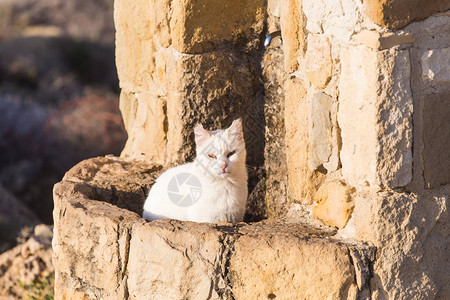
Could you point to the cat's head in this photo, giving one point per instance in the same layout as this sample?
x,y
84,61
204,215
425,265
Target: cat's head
x,y
220,153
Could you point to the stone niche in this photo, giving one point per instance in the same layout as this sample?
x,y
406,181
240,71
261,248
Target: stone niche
x,y
103,249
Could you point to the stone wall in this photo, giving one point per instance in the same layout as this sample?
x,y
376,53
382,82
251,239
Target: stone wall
x,y
345,125
366,109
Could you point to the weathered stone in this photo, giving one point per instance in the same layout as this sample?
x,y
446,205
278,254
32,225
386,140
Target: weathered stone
x,y
302,182
334,203
179,264
144,116
292,30
377,41
339,19
318,61
436,139
199,26
135,46
100,238
395,14
436,66
190,26
275,197
219,87
323,135
431,33
394,119
410,259
357,115
212,88
375,117
257,272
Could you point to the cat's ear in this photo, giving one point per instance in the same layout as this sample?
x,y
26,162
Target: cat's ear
x,y
201,134
236,128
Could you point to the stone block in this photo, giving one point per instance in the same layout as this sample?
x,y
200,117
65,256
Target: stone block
x,y
284,266
431,33
145,117
357,115
394,118
411,236
200,26
89,231
323,133
179,264
436,139
375,115
135,45
435,65
214,90
292,30
302,182
334,203
339,19
273,203
395,14
318,62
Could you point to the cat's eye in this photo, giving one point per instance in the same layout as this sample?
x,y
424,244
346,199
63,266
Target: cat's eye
x,y
231,153
212,156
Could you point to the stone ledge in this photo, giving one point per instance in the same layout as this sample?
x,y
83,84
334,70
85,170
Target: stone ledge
x,y
105,251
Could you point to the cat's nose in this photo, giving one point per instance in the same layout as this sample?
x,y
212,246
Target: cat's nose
x,y
223,166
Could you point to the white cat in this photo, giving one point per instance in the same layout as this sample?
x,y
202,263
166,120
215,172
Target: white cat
x,y
212,188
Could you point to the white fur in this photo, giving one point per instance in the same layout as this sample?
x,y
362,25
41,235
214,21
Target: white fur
x,y
223,191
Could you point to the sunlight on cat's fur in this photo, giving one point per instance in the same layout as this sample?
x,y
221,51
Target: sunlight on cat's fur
x,y
212,188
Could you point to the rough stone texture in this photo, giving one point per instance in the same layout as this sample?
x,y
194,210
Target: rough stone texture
x,y
187,62
435,65
199,26
411,262
428,69
27,263
144,118
375,120
189,26
302,182
395,14
323,133
339,19
104,251
275,147
292,30
284,266
334,203
318,61
436,139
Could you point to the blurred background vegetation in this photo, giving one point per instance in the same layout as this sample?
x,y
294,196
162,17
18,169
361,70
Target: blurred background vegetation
x,y
58,102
